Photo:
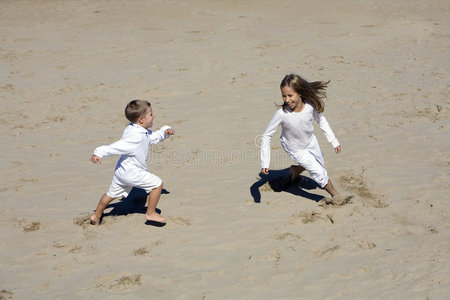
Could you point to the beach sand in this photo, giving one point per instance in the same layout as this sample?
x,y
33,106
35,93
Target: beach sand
x,y
211,70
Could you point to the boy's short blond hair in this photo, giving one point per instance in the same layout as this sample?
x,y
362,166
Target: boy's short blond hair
x,y
136,109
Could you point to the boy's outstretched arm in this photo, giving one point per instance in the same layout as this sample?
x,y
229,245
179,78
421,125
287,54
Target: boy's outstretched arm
x,y
95,159
161,134
170,131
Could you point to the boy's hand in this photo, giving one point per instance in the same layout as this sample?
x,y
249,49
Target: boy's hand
x,y
337,149
95,159
265,171
170,131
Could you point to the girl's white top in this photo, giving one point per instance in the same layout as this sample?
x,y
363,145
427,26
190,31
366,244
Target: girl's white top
x,y
133,146
297,131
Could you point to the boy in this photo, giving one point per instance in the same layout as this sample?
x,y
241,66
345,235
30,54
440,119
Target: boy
x,y
131,169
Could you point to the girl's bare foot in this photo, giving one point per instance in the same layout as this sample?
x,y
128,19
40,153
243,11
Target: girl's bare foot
x,y
94,220
337,200
155,217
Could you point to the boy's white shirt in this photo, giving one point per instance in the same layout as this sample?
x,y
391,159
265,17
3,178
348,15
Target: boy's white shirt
x,y
133,147
297,131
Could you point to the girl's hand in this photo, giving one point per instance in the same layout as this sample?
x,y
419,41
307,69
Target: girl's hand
x,y
265,171
337,149
170,131
95,159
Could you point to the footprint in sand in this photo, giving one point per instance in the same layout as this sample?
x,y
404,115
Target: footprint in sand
x,y
309,217
144,250
24,181
357,184
366,245
33,226
8,87
82,220
335,201
432,113
432,229
113,284
67,247
287,236
5,294
180,221
141,251
274,256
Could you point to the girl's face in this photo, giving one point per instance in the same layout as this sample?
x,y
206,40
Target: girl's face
x,y
147,120
292,99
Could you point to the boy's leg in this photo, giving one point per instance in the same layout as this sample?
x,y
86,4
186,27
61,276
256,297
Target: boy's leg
x,y
153,198
336,198
102,204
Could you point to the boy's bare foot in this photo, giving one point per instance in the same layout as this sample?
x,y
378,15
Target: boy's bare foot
x,y
93,220
155,217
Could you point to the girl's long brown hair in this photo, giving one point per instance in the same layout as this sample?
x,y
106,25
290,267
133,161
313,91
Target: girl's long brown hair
x,y
312,91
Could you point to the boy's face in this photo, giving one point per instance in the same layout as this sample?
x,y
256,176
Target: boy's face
x,y
147,120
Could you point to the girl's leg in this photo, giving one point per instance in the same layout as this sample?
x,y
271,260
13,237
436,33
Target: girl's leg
x,y
336,198
102,204
330,189
295,171
313,163
153,198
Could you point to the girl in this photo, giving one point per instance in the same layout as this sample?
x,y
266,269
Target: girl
x,y
303,102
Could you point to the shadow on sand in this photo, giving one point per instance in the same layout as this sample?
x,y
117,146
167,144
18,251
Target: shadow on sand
x,y
277,182
134,203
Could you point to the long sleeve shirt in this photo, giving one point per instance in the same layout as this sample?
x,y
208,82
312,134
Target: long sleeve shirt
x,y
133,147
297,131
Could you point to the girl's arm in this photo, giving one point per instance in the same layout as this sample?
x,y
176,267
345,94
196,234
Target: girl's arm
x,y
265,142
327,131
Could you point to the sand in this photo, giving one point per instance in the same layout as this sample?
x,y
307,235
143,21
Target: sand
x,y
212,71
